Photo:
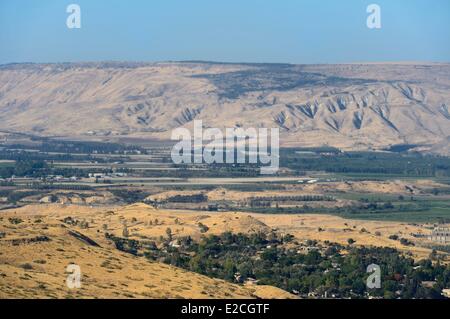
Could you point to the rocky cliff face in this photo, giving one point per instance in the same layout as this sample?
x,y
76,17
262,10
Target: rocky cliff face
x,y
353,106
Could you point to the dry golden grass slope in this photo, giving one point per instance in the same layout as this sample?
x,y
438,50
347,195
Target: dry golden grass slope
x,y
35,253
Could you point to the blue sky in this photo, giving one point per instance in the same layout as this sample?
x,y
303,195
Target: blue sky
x,y
295,31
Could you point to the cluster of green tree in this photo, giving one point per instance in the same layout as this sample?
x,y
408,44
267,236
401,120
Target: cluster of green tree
x,y
25,168
369,163
15,220
22,155
13,196
75,147
350,210
319,150
75,222
247,187
129,196
216,170
203,228
299,198
195,198
38,169
338,271
261,201
438,191
51,186
130,246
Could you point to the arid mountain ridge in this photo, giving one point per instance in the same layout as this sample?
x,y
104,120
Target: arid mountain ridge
x,y
349,106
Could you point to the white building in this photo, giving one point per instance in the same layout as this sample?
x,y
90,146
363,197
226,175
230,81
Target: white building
x,y
441,235
96,175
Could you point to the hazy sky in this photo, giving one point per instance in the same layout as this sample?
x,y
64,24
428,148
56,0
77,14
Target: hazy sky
x,y
296,31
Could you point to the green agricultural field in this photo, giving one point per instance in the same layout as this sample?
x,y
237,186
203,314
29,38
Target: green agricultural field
x,y
428,209
423,209
428,216
6,164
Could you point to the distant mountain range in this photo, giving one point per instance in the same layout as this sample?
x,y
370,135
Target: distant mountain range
x,y
350,106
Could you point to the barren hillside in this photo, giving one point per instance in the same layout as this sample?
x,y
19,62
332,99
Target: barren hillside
x,y
354,106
